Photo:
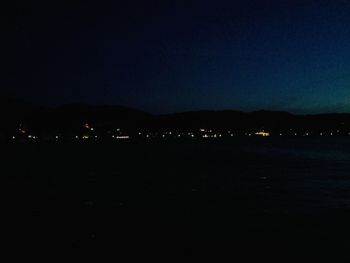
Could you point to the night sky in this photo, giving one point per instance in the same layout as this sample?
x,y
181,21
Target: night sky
x,y
167,56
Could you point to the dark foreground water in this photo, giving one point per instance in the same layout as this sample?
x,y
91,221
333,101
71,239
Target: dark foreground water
x,y
258,198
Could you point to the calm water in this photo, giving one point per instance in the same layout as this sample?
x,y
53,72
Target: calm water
x,y
262,190
261,174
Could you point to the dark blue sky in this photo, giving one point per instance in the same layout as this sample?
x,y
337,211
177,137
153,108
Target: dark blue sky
x,y
166,56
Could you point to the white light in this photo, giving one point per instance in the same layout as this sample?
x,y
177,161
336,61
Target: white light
x,y
56,137
91,129
13,137
123,137
262,133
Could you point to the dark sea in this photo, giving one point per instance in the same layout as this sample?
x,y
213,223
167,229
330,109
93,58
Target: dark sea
x,y
244,198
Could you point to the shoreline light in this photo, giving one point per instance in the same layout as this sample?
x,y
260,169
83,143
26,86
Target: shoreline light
x,y
262,133
123,137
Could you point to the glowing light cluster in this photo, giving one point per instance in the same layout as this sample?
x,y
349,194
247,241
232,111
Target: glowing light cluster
x,y
262,133
123,137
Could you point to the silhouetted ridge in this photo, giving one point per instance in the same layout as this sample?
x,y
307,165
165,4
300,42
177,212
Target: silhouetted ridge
x,y
71,118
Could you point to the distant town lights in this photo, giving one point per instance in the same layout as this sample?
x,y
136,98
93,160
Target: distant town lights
x,y
213,134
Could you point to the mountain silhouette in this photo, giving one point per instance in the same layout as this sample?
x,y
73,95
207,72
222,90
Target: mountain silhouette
x,y
72,117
